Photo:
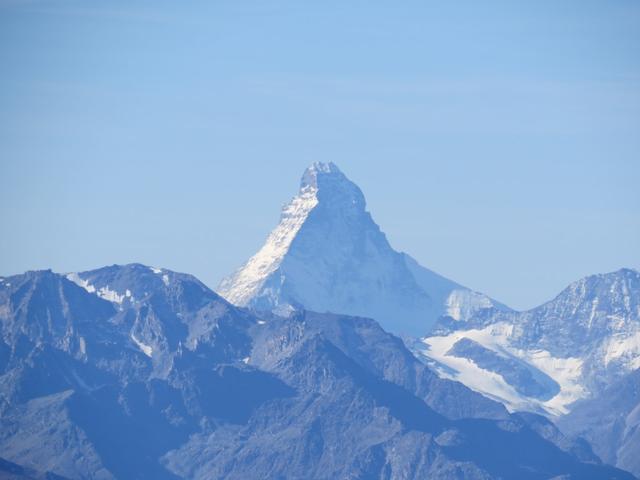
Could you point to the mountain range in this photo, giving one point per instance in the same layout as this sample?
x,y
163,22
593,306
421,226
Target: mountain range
x,y
138,372
327,355
327,254
546,358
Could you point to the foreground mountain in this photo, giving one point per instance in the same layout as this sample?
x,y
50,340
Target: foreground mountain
x,y
611,422
134,372
327,254
12,471
545,359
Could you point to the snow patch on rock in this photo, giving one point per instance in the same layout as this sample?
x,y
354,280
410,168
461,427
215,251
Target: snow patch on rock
x,y
146,349
103,292
75,278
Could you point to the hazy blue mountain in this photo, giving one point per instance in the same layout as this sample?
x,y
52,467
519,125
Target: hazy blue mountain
x,y
12,471
328,255
611,422
136,372
545,359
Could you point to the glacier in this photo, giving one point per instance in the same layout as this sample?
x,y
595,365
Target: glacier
x,y
585,339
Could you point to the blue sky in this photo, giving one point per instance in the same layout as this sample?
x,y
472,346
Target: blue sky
x,y
496,142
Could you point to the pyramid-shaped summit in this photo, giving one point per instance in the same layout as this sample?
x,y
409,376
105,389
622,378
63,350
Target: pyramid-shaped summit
x,y
327,254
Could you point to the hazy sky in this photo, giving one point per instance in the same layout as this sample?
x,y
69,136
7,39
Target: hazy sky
x,y
496,142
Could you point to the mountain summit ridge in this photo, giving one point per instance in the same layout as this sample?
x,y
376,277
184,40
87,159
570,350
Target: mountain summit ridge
x,y
328,254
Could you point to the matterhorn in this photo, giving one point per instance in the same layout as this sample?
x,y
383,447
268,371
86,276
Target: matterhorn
x,y
328,255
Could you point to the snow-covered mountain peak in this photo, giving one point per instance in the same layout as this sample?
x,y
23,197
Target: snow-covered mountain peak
x,y
322,185
618,287
595,306
332,188
327,254
583,339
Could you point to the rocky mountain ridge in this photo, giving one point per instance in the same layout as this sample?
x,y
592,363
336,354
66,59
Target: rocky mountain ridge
x,y
136,372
